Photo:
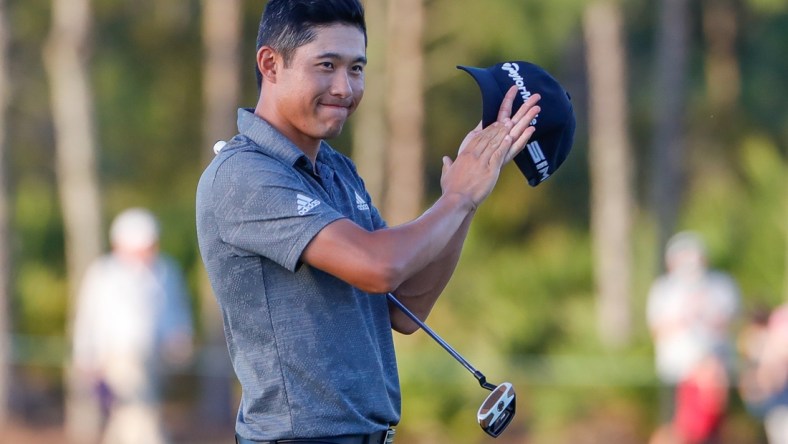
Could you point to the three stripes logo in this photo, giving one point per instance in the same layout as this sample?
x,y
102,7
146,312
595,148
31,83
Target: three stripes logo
x,y
305,204
361,204
540,162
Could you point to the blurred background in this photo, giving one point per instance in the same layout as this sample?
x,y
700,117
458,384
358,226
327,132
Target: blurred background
x,y
682,125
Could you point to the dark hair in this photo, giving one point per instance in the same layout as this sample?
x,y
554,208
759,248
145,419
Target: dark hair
x,y
288,24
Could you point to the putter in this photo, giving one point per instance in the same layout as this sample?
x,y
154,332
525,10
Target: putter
x,y
497,410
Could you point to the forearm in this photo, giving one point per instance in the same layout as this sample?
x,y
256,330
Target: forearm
x,y
381,261
433,278
422,290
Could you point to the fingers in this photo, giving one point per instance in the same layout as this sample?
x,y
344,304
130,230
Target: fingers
x,y
522,130
470,137
446,164
490,146
522,121
526,108
495,143
505,111
519,144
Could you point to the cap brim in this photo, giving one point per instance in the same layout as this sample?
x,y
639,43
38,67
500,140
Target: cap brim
x,y
492,97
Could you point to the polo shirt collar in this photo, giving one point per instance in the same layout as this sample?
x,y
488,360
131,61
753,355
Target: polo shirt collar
x,y
268,138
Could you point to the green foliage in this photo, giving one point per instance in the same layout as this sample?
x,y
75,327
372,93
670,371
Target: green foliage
x,y
521,305
42,305
769,6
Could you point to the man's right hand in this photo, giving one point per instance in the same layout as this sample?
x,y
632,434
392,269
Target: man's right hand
x,y
475,171
484,152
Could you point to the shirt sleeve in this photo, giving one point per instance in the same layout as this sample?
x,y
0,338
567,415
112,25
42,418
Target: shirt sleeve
x,y
87,335
264,208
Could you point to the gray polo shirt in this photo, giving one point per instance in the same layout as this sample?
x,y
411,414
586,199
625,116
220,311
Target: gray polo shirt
x,y
314,355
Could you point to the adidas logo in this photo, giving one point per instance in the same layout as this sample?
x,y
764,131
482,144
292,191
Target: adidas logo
x,y
305,204
361,204
537,156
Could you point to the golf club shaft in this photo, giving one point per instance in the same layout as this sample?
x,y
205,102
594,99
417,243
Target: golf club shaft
x,y
476,373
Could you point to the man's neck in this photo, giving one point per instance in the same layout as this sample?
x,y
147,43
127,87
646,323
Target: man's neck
x,y
308,145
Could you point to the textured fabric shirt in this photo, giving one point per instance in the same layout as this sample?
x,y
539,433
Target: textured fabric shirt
x,y
314,355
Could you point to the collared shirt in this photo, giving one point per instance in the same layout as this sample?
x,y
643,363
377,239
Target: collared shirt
x,y
314,355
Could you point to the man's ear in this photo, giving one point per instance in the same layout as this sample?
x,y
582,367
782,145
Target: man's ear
x,y
268,62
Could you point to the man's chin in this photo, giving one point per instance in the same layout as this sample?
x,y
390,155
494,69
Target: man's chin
x,y
333,131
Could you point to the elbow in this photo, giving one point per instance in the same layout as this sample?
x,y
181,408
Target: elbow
x,y
408,329
401,323
382,277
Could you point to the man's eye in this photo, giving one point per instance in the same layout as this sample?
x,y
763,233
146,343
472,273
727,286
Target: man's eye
x,y
358,68
327,65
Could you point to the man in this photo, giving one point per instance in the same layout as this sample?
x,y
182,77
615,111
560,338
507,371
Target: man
x,y
298,256
132,318
690,312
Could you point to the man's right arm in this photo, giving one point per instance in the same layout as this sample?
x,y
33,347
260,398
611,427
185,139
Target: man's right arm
x,y
380,261
425,250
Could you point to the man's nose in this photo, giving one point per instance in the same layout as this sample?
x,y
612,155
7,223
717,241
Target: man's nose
x,y
341,85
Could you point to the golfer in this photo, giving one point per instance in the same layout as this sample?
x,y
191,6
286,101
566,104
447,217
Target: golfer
x,y
298,256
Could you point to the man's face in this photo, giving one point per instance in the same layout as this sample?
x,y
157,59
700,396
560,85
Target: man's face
x,y
322,85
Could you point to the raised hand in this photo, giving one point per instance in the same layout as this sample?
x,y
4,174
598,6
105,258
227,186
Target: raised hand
x,y
476,169
521,130
484,152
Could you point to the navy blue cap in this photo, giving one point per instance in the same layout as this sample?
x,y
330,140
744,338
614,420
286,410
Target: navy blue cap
x,y
555,125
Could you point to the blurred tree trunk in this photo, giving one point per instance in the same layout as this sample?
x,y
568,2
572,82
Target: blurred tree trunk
x,y
610,162
723,80
66,56
667,174
404,190
221,33
5,223
370,133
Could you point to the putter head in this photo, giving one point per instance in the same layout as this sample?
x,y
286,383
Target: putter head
x,y
497,410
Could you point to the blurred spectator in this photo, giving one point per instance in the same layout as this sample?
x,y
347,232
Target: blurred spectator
x,y
132,320
690,311
763,382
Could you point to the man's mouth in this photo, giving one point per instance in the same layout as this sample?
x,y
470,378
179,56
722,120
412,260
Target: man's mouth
x,y
336,105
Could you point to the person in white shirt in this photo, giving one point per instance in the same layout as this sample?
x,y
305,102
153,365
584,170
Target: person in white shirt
x,y
690,311
132,320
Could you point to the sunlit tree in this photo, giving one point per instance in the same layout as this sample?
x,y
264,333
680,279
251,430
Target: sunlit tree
x,y
5,219
610,161
66,57
667,168
370,132
404,189
221,33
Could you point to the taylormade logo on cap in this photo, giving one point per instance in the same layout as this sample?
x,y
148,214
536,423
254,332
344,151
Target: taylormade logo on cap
x,y
514,72
553,136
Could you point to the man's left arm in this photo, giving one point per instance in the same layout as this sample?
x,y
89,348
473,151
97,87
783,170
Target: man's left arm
x,y
421,291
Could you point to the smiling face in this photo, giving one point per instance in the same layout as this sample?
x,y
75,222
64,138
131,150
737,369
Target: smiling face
x,y
311,97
